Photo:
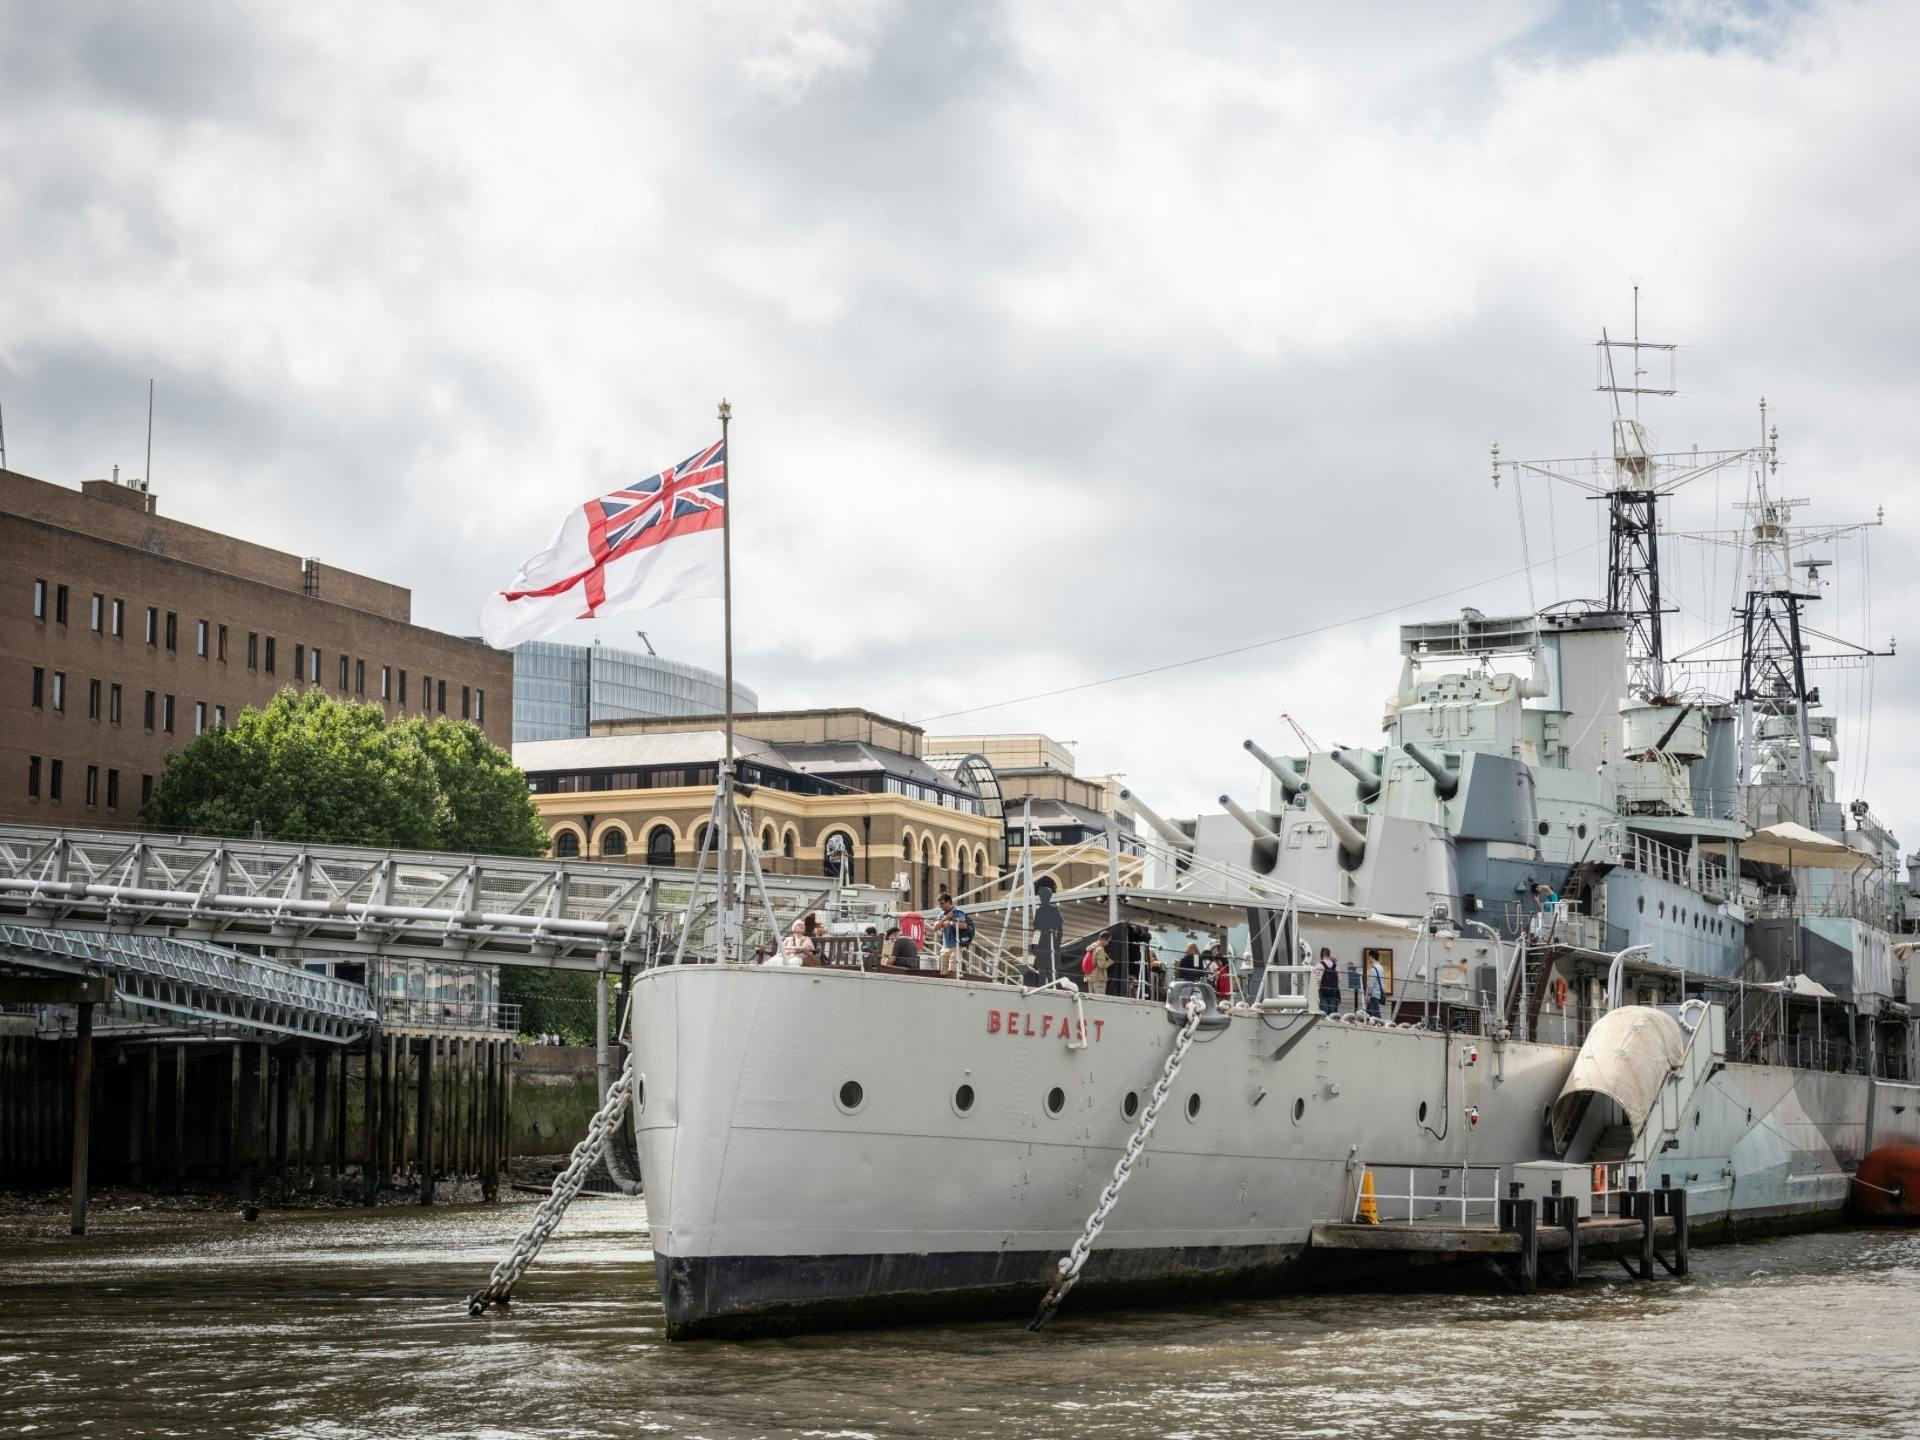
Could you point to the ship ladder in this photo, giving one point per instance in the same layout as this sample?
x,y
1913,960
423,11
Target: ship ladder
x,y
566,1185
1075,1260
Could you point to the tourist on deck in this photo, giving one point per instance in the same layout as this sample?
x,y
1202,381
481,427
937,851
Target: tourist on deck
x,y
1376,986
902,953
797,949
1156,975
1118,970
1223,979
1329,977
1190,966
870,948
1095,966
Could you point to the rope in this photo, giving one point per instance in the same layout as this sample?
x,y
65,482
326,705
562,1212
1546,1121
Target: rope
x,y
546,1215
1075,1260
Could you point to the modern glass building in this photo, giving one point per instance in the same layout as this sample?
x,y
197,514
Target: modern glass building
x,y
559,689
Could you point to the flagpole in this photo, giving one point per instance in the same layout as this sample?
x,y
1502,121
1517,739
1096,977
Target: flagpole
x,y
726,754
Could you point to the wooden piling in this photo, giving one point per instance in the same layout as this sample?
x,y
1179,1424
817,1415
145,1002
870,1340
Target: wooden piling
x,y
178,1114
1570,1218
82,1112
236,1108
1526,1218
1677,1207
426,1120
1643,1210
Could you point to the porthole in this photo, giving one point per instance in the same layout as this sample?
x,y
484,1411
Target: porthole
x,y
1642,903
1696,1119
1193,1106
1581,830
1663,909
1130,1104
1421,1117
1299,1110
963,1100
1056,1100
639,1093
1543,827
851,1096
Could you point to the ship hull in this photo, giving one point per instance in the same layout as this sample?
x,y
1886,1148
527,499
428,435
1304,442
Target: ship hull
x,y
779,1198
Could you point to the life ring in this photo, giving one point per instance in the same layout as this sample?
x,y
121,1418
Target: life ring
x,y
1560,992
1599,1174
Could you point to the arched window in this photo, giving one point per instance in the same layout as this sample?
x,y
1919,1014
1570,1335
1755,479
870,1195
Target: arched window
x,y
790,843
614,843
926,874
703,837
566,845
766,840
660,845
836,856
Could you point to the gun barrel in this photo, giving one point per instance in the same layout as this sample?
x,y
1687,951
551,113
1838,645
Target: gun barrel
x,y
1290,780
1168,832
1253,827
1446,783
1353,844
1369,782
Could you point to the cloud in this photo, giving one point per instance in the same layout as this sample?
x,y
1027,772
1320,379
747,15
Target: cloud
x,y
1063,341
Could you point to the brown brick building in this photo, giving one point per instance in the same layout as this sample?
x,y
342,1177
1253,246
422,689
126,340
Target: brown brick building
x,y
123,634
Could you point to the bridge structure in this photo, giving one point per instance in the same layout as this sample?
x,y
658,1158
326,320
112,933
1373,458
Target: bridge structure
x,y
203,947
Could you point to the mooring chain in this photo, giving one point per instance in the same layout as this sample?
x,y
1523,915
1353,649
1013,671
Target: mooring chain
x,y
1075,1260
566,1185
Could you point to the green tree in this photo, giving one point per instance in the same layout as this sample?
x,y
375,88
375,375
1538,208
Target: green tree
x,y
308,767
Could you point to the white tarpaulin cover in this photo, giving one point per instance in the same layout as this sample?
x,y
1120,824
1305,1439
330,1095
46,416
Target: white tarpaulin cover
x,y
1628,1055
1795,845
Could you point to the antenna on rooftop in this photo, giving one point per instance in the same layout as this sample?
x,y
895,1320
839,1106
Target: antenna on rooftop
x,y
648,643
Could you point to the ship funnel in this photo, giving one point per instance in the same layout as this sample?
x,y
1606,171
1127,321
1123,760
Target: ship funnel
x,y
1535,686
1289,778
1353,845
1167,831
1369,782
1446,783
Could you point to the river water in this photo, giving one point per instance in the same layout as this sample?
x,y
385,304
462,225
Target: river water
x,y
348,1323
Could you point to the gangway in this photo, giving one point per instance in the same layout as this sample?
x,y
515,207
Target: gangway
x,y
197,982
346,900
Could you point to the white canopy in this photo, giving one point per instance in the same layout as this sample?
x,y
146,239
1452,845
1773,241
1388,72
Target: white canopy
x,y
1795,845
1628,1055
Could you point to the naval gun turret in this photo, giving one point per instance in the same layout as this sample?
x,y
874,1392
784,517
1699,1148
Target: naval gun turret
x,y
1353,845
1368,780
1291,781
1266,844
1446,783
1167,830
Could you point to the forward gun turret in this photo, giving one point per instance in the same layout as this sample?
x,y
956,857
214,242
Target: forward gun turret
x,y
1291,783
1353,845
1369,782
1446,783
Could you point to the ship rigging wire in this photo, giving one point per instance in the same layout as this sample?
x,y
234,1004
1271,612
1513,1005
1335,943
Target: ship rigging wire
x,y
1307,633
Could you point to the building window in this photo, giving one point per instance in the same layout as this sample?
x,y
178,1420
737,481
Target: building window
x,y
173,632
343,672
440,695
359,677
39,599
153,626
299,662
219,717
60,691
426,694
146,711
60,604
386,682
119,619
54,767
146,788
480,706
253,650
113,789
221,648
660,845
313,666
166,713
96,613
39,687
403,687
614,844
466,703
33,774
837,857
113,705
566,845
93,785
199,716
200,639
269,654
93,700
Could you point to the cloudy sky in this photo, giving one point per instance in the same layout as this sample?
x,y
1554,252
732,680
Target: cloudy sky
x,y
1064,340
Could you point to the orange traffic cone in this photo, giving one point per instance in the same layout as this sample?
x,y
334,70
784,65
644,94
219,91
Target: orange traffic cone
x,y
1369,1212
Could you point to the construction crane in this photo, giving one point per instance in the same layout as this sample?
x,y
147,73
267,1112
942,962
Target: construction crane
x,y
1305,739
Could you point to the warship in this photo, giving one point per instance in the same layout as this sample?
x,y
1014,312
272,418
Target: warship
x,y
1624,930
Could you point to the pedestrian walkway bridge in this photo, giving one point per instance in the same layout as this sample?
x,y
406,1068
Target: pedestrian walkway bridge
x,y
343,900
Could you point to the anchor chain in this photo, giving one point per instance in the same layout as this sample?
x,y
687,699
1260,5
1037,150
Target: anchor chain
x,y
566,1185
1075,1260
